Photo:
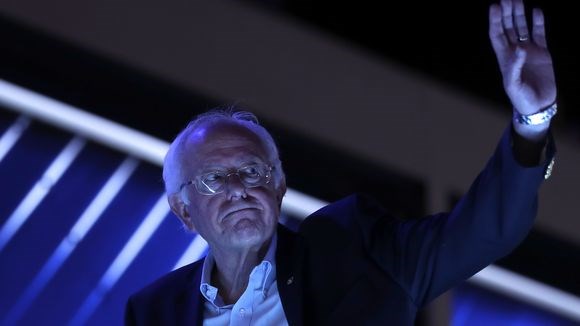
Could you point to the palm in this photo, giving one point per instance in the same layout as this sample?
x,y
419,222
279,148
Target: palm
x,y
526,65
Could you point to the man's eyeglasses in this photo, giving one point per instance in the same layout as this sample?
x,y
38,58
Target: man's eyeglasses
x,y
212,183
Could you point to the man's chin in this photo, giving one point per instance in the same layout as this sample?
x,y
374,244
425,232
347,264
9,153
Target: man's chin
x,y
246,234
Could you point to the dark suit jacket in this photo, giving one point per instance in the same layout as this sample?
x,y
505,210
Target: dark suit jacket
x,y
353,264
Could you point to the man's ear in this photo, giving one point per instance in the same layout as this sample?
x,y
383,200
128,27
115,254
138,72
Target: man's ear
x,y
179,208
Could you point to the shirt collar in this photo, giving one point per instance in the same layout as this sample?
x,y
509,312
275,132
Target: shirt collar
x,y
267,270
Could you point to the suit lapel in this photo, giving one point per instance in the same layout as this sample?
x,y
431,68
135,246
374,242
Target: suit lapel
x,y
190,303
289,275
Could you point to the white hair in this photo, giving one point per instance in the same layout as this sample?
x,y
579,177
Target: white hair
x,y
173,163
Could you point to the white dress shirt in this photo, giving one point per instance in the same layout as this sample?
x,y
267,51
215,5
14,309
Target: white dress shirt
x,y
260,303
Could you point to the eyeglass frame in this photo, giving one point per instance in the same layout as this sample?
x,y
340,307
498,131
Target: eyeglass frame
x,y
227,173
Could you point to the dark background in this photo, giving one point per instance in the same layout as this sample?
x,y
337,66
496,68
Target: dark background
x,y
446,40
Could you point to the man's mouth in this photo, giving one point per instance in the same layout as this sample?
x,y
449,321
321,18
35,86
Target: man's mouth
x,y
238,210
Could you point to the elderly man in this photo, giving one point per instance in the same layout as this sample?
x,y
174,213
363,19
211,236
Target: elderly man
x,y
350,263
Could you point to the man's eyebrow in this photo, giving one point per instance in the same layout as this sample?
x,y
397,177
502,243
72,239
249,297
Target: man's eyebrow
x,y
247,160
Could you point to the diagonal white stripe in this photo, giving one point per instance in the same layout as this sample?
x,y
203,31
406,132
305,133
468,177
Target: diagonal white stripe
x,y
123,260
528,290
12,134
197,247
90,126
40,190
89,217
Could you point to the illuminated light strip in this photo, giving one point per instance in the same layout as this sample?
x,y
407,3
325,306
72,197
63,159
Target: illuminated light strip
x,y
528,290
115,135
12,134
103,131
194,252
40,190
301,205
153,150
89,217
123,260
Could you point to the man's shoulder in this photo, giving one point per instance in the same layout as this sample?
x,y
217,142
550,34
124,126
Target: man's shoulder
x,y
172,282
341,216
349,207
169,300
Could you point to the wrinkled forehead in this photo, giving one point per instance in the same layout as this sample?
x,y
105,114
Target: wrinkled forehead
x,y
223,141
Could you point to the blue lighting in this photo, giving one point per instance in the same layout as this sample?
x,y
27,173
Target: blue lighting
x,y
40,190
194,252
69,243
123,260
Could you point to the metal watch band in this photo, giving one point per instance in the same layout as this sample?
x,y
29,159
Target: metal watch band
x,y
536,118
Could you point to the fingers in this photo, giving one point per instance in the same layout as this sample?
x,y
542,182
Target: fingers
x,y
520,21
496,30
538,29
508,20
514,21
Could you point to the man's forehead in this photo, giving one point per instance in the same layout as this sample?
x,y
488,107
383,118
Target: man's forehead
x,y
223,131
212,140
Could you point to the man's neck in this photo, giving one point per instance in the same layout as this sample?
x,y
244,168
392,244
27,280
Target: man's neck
x,y
232,271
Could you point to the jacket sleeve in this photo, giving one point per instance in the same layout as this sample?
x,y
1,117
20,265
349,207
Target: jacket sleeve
x,y
430,255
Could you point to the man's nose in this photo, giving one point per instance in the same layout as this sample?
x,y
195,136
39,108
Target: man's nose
x,y
235,188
